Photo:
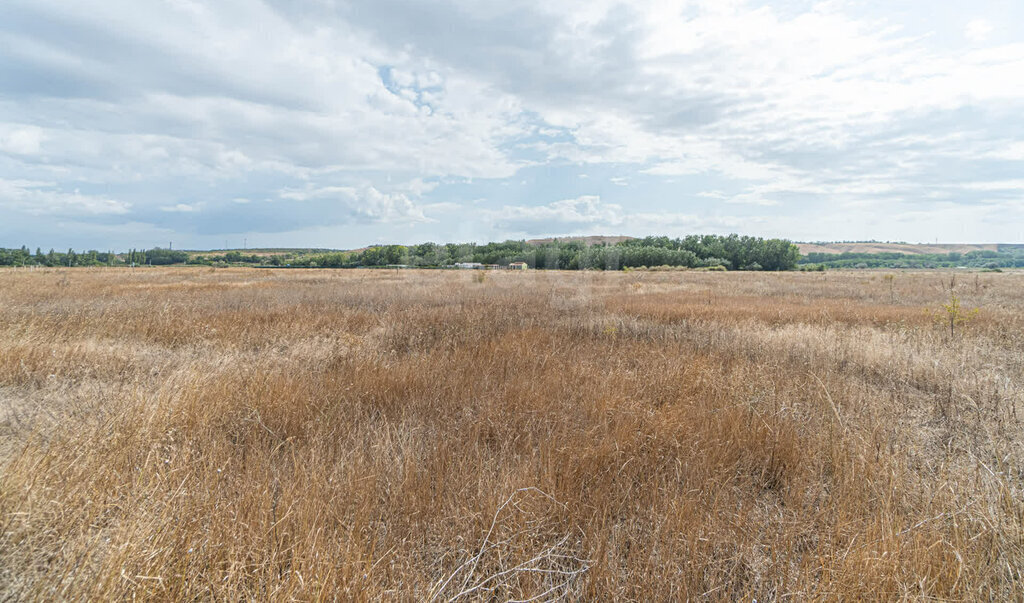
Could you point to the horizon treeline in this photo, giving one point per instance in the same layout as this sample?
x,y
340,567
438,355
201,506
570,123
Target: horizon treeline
x,y
1007,256
71,258
732,252
715,252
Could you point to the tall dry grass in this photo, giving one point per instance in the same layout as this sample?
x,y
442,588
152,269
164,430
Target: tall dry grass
x,y
188,434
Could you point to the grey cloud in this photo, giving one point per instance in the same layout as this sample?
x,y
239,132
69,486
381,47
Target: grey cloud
x,y
150,108
325,106
530,52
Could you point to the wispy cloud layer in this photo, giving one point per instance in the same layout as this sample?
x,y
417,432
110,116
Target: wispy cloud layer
x,y
339,123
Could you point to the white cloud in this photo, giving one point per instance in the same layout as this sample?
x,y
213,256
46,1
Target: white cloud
x,y
978,30
726,90
996,185
753,198
1013,151
444,206
46,198
20,140
572,214
180,208
366,202
390,111
588,214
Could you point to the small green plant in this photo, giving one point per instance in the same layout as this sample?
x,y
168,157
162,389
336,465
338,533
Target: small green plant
x,y
480,276
953,313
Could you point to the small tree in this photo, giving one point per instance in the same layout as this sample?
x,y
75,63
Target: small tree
x,y
953,313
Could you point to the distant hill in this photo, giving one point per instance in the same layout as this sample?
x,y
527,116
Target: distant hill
x,y
907,248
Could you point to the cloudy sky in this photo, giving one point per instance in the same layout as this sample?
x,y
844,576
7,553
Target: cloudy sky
x,y
133,123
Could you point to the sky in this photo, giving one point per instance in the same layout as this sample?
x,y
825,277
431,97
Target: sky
x,y
338,124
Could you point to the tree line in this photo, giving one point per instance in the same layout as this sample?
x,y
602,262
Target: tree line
x,y
731,252
71,258
1005,256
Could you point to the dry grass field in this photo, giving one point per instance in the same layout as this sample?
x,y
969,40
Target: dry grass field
x,y
190,434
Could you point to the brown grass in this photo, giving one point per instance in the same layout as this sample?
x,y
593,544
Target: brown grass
x,y
182,434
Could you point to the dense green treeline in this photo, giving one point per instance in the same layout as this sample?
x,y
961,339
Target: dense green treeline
x,y
1007,256
24,257
731,252
155,257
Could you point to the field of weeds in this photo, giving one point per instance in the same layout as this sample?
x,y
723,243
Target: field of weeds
x,y
191,434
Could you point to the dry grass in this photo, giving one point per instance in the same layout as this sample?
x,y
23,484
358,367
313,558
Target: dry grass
x,y
187,434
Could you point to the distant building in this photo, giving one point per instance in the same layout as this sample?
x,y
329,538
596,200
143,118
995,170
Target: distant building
x,y
517,266
469,265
